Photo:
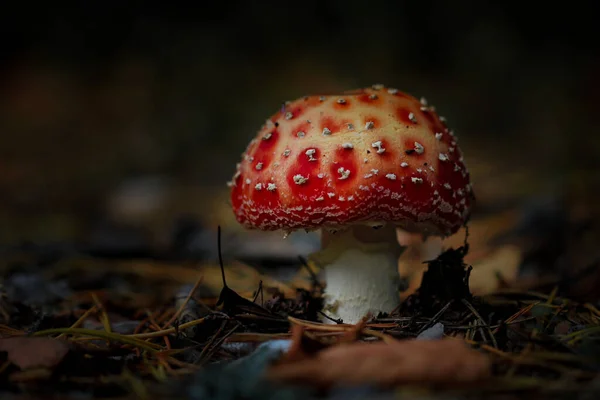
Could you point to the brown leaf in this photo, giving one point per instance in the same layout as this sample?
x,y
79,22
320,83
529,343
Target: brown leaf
x,y
28,353
493,265
447,361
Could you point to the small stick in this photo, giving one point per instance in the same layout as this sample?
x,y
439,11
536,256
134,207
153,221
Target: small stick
x,y
222,339
337,321
155,326
212,340
168,331
474,311
103,314
436,317
221,257
516,315
182,307
81,319
319,326
126,339
258,291
152,321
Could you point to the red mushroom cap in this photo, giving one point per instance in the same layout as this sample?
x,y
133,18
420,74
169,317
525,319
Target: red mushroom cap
x,y
373,156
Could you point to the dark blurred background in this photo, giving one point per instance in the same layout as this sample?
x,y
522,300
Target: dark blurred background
x,y
130,115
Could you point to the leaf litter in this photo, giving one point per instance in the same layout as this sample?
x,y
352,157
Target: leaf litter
x,y
115,332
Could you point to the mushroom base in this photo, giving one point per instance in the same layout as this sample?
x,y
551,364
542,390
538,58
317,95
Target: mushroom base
x,y
361,272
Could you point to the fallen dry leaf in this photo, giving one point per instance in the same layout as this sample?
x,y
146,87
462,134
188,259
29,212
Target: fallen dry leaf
x,y
492,265
499,267
447,361
28,353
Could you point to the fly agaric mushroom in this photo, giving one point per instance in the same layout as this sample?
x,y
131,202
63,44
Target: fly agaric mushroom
x,y
346,164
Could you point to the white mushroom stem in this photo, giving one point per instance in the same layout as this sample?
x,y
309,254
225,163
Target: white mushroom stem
x,y
361,271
